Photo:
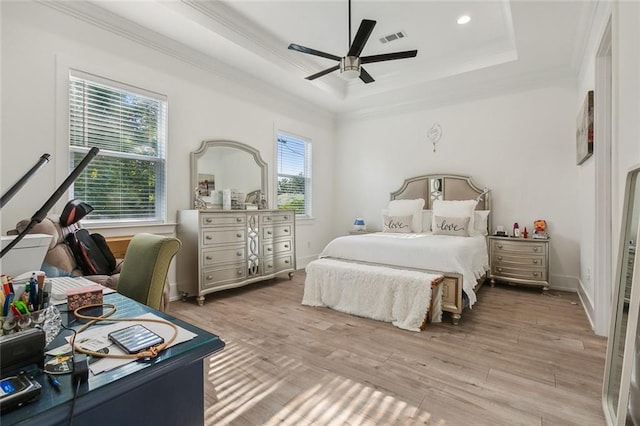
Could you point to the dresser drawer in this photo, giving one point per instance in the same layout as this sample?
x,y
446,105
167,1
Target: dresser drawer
x,y
528,274
517,247
220,276
276,231
277,248
212,219
274,265
223,255
223,236
276,217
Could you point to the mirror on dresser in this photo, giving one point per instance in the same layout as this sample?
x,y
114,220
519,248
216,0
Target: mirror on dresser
x,y
621,388
228,175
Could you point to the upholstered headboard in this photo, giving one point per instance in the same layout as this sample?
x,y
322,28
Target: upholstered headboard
x,y
444,187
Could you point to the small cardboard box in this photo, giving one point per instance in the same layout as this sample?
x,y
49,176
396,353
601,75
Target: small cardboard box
x,y
83,296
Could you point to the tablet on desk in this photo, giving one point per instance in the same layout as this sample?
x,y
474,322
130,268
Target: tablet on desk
x,y
135,339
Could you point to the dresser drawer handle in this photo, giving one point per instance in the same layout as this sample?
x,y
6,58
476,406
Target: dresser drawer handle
x,y
238,219
499,246
286,246
209,257
286,230
239,253
499,257
208,220
286,218
239,235
535,261
286,261
499,269
208,237
209,277
535,274
269,266
269,232
536,249
239,271
268,217
269,249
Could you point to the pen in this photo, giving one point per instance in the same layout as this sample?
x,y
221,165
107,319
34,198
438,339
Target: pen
x,y
15,311
54,382
40,292
7,302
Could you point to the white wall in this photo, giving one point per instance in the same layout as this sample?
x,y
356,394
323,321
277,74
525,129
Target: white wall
x,y
39,45
521,145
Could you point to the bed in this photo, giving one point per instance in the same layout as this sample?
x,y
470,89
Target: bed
x,y
460,260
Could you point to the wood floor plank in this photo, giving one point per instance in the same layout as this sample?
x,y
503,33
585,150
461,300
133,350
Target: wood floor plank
x,y
518,357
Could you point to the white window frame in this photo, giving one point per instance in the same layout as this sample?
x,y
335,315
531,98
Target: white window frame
x,y
160,160
307,167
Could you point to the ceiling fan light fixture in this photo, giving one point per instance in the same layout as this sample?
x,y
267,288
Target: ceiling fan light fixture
x,y
350,67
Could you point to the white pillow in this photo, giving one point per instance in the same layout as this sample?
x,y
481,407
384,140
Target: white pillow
x,y
454,208
408,207
427,218
480,218
397,224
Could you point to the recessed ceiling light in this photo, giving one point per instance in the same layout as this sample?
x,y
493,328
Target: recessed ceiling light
x,y
464,19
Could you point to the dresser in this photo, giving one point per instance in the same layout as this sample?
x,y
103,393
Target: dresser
x,y
223,249
519,261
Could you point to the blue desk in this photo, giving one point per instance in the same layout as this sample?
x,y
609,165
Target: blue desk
x,y
169,390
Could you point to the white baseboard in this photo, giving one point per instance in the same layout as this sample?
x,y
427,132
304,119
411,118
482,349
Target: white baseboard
x,y
587,304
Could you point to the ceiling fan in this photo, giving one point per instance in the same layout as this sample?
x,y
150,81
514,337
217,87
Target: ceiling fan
x,y
351,65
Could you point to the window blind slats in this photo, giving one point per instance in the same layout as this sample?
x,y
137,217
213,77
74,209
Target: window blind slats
x,y
294,174
125,181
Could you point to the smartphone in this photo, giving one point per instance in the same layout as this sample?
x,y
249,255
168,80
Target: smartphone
x,y
135,338
17,390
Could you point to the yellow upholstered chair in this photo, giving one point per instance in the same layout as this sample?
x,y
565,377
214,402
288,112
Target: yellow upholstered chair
x,y
145,267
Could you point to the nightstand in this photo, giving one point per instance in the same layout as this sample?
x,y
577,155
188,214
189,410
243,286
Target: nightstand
x,y
519,261
361,232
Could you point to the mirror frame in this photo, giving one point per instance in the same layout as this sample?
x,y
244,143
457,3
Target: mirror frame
x,y
213,143
616,337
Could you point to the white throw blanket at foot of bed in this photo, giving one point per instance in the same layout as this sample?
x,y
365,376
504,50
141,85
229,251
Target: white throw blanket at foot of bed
x,y
397,296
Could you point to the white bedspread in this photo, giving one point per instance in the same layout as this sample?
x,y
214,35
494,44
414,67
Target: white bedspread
x,y
391,295
443,253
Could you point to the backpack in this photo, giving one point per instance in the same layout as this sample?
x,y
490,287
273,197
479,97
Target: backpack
x,y
93,255
91,252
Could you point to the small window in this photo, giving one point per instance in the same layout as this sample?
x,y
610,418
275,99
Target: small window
x,y
126,180
294,174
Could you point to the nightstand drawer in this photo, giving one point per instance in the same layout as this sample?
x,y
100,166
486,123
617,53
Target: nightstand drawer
x,y
506,272
276,218
518,260
276,232
517,247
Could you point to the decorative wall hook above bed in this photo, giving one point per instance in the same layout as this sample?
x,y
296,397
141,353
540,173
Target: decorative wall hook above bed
x,y
434,134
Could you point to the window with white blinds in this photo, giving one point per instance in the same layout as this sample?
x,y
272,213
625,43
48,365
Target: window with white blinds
x,y
294,174
126,180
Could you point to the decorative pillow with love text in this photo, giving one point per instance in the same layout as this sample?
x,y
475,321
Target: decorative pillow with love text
x,y
397,224
458,226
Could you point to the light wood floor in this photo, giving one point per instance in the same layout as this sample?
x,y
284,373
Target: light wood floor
x,y
518,358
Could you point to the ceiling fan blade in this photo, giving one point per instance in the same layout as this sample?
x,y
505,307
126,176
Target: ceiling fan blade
x,y
388,56
366,27
323,72
314,52
365,76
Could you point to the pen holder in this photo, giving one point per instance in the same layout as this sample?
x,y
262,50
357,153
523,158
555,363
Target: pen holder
x,y
48,320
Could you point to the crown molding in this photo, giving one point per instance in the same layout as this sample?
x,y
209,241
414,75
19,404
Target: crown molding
x,y
115,24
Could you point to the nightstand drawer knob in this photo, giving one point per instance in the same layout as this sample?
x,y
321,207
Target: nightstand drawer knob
x,y
238,219
535,274
499,257
499,246
536,249
535,261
